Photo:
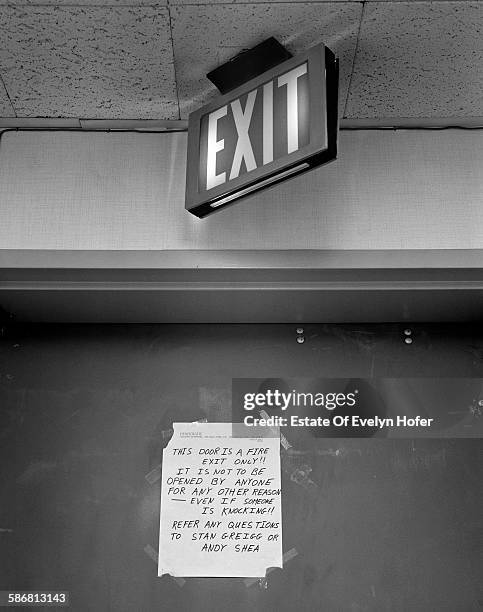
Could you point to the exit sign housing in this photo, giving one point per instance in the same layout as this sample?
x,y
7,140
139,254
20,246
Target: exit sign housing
x,y
279,124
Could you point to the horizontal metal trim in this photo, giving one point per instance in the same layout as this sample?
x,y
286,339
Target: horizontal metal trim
x,y
234,286
293,259
414,123
43,123
163,125
167,125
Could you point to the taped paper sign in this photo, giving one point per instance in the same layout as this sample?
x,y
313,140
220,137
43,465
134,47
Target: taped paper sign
x,y
220,503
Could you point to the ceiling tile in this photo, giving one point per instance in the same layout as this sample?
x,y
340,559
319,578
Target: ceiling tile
x,y
6,109
419,59
96,62
206,36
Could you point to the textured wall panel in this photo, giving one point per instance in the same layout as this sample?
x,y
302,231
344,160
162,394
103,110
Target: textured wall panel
x,y
387,190
107,62
419,59
206,36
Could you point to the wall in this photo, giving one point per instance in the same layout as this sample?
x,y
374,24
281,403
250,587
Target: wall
x,y
389,189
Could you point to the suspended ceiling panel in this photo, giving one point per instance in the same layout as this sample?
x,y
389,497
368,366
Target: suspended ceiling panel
x,y
88,62
418,59
298,26
148,60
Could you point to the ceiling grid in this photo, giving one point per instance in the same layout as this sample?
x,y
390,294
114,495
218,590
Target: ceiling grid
x,y
144,60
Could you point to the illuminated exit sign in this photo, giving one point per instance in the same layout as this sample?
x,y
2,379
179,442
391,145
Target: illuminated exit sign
x,y
275,126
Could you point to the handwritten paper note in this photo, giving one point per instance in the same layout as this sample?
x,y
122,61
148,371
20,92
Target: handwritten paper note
x,y
220,503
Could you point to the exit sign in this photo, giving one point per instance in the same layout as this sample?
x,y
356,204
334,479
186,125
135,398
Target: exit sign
x,y
279,124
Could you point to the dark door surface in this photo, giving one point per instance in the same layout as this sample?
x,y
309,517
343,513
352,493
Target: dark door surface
x,y
388,524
